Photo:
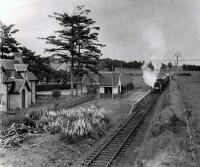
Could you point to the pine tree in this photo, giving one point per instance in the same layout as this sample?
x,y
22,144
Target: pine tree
x,y
8,43
77,42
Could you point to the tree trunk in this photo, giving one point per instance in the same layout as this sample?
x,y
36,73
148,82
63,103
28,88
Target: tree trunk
x,y
77,89
81,88
72,84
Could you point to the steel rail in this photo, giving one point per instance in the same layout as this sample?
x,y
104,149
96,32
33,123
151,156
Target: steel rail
x,y
146,107
115,134
132,131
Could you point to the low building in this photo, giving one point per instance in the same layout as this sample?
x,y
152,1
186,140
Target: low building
x,y
17,84
108,84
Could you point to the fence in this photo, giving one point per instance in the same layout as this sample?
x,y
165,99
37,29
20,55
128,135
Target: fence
x,y
78,100
7,118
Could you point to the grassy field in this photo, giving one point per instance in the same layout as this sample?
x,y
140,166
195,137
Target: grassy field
x,y
190,90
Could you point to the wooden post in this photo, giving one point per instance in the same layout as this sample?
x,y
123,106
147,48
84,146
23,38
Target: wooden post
x,y
112,82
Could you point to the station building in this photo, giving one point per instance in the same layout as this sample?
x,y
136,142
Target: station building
x,y
107,84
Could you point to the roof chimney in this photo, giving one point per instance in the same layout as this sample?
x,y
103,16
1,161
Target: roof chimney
x,y
18,57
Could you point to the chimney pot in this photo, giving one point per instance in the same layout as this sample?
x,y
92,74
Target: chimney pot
x,y
18,57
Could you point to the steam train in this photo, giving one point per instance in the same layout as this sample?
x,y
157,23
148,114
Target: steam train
x,y
161,83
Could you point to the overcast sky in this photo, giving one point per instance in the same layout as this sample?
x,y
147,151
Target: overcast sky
x,y
130,29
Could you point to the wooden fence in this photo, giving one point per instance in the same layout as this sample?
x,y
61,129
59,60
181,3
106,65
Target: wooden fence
x,y
77,100
7,118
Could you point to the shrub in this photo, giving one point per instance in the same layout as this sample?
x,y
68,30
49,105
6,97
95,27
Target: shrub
x,y
35,115
184,74
48,87
56,94
82,122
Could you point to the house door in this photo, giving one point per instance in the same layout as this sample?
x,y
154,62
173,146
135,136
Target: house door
x,y
23,98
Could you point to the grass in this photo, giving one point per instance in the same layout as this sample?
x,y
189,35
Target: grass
x,y
166,142
49,150
189,87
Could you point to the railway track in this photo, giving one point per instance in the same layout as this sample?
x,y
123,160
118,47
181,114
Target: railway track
x,y
112,148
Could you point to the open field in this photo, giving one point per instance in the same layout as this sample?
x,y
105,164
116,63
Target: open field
x,y
48,150
190,90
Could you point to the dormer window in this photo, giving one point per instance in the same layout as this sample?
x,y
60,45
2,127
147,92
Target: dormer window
x,y
13,74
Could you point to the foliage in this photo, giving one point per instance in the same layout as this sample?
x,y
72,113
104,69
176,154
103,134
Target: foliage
x,y
184,74
107,64
191,67
77,42
78,123
37,64
170,65
163,66
150,65
56,93
48,87
8,43
41,68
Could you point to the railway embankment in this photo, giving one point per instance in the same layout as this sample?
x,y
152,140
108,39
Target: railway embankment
x,y
166,142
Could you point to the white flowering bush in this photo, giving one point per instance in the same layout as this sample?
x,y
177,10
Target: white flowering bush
x,y
81,122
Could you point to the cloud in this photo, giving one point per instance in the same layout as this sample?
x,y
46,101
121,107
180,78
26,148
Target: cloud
x,y
171,25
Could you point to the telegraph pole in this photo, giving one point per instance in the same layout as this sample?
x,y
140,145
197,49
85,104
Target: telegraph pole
x,y
112,81
177,55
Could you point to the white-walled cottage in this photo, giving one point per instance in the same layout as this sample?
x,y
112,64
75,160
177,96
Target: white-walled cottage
x,y
17,84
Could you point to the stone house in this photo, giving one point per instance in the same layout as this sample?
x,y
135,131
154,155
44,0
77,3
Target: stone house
x,y
108,83
17,84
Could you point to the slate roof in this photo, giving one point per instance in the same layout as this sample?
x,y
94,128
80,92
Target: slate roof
x,y
18,86
8,64
105,79
12,68
31,76
20,67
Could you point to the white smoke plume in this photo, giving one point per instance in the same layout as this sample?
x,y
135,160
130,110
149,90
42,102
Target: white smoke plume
x,y
149,75
155,40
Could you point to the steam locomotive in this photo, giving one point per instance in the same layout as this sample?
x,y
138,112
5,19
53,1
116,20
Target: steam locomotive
x,y
161,83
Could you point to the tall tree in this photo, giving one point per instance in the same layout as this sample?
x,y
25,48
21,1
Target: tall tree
x,y
8,43
150,65
163,66
170,65
77,42
37,64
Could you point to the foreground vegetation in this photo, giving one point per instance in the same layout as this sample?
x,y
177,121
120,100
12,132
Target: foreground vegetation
x,y
167,142
96,118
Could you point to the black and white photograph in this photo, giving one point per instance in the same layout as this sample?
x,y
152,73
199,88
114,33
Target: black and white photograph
x,y
99,83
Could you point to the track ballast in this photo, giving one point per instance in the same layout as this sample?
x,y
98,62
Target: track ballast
x,y
109,151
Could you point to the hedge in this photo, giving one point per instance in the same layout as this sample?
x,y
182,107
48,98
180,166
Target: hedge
x,y
48,87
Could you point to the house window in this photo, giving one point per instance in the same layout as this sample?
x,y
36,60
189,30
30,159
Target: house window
x,y
1,100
